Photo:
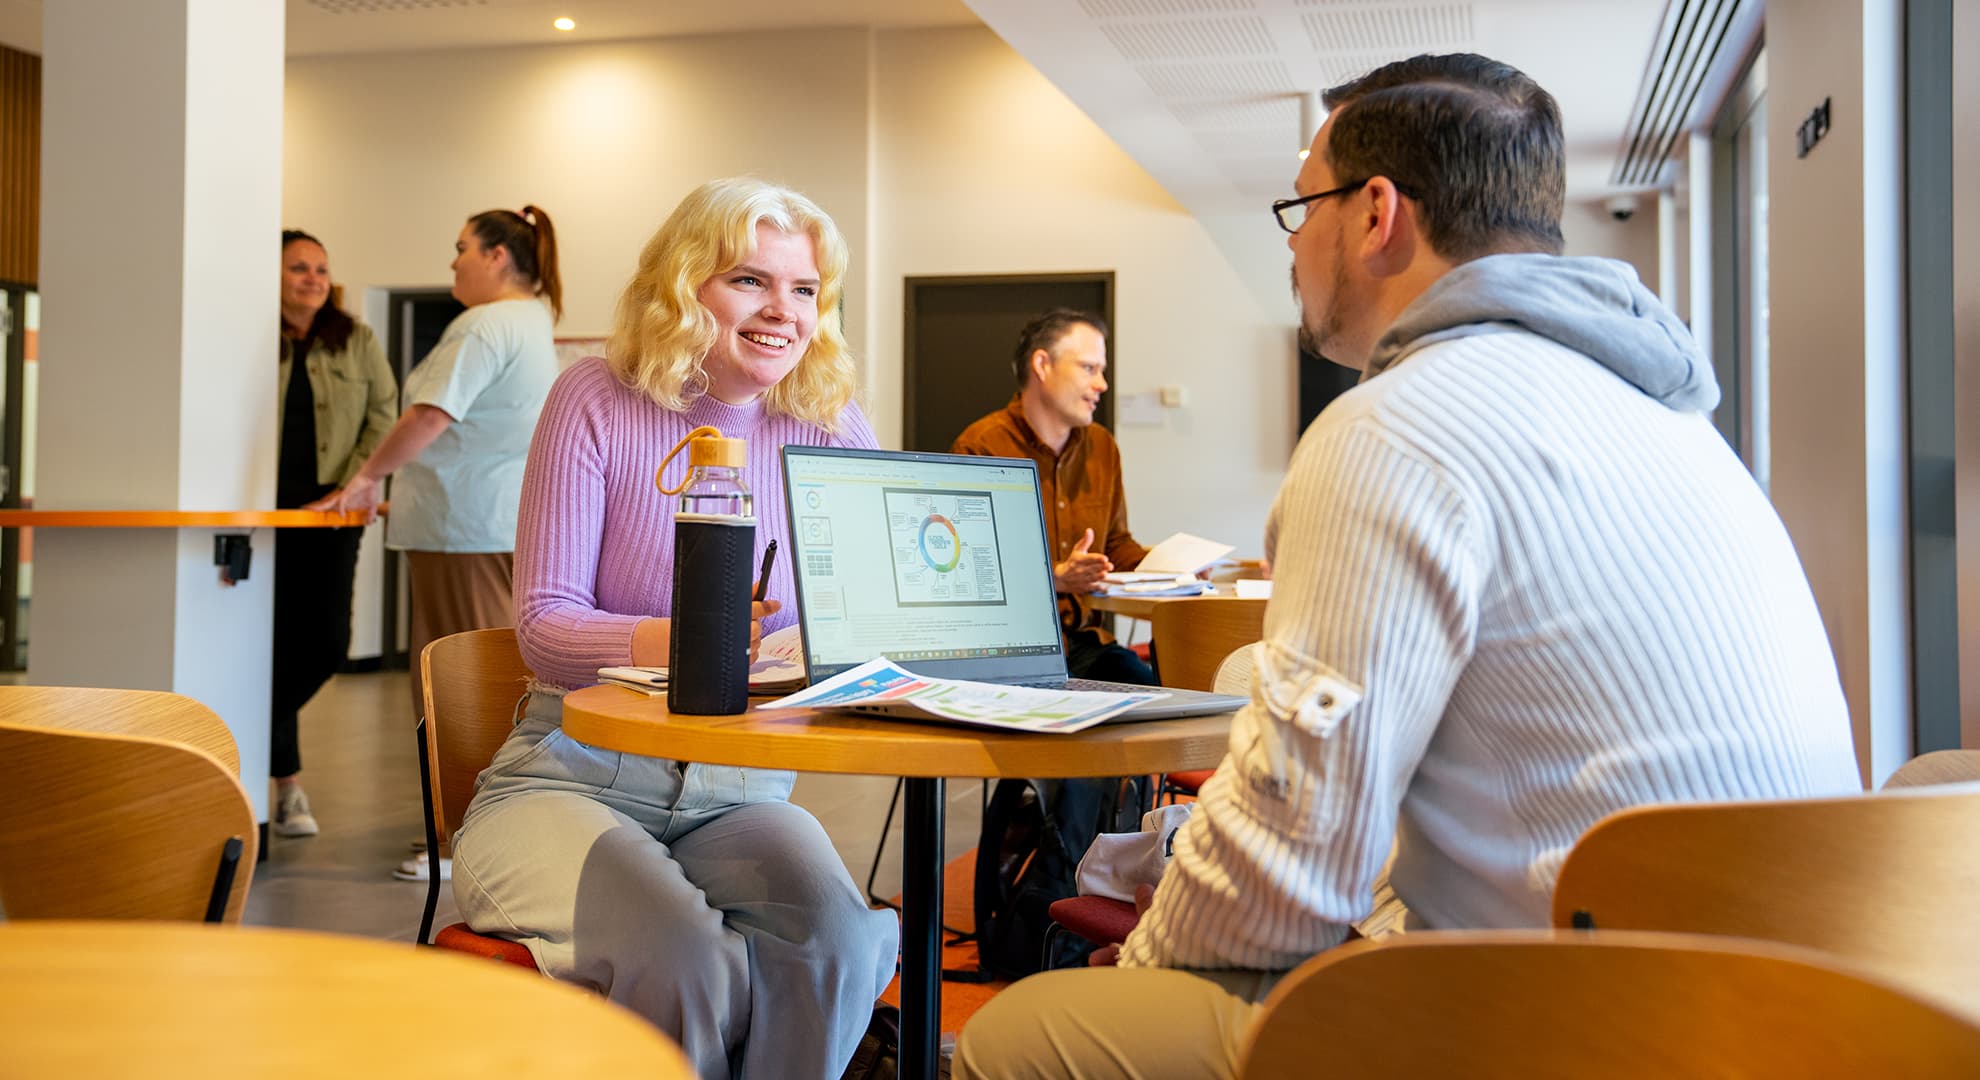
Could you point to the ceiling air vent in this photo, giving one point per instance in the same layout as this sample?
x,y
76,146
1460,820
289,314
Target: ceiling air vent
x,y
1699,50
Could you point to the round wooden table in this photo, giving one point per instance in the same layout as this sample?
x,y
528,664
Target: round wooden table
x,y
807,740
160,1000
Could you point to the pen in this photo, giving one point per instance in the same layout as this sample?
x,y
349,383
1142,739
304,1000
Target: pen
x,y
763,572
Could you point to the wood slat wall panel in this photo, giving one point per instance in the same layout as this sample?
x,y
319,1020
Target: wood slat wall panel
x,y
20,166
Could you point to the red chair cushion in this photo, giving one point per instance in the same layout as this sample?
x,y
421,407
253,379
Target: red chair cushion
x,y
1096,918
1191,781
1142,649
460,939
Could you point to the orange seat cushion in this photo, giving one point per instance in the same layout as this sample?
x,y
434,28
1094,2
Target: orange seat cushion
x,y
461,939
1191,781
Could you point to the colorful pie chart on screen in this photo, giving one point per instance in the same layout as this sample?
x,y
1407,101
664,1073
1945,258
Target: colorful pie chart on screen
x,y
941,548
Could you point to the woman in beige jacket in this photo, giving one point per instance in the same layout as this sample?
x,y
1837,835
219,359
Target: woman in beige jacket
x,y
332,418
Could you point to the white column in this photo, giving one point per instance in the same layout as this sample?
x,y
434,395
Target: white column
x,y
161,207
1836,330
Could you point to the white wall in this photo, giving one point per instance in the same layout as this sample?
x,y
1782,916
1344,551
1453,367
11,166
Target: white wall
x,y
982,166
1836,345
386,154
1590,229
938,151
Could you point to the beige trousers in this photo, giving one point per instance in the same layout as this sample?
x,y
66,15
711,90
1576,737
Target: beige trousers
x,y
1114,1022
452,593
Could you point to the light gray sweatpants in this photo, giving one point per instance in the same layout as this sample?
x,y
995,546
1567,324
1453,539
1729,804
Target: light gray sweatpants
x,y
694,895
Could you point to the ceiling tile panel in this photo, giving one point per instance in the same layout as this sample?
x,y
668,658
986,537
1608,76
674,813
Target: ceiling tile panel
x,y
1119,9
1217,79
1189,39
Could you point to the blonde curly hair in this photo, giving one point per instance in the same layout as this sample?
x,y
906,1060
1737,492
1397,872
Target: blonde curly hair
x,y
661,334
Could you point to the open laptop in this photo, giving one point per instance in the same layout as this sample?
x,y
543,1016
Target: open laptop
x,y
938,562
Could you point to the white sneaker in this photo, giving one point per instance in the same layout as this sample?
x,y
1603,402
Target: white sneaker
x,y
414,869
292,816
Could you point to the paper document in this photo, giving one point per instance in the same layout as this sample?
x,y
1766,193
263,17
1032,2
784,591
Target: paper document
x,y
1183,554
1253,588
1156,585
779,667
882,688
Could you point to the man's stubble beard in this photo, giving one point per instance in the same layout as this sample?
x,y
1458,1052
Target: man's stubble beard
x,y
1316,334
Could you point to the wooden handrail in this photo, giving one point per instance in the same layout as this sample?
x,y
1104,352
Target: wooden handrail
x,y
175,519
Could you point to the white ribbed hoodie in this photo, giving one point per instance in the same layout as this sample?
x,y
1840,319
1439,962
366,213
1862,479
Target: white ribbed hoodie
x,y
1518,586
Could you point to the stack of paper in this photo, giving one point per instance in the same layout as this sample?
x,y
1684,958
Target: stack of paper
x,y
779,668
882,688
1135,583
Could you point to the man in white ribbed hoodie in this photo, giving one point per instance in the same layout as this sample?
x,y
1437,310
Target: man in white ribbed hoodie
x,y
1521,583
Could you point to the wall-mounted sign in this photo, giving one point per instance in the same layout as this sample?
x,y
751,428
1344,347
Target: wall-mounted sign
x,y
1812,129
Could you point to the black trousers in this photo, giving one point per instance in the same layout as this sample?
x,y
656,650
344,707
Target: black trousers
x,y
1087,658
313,573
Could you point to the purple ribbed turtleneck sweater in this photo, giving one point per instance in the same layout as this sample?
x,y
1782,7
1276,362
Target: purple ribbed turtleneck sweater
x,y
595,537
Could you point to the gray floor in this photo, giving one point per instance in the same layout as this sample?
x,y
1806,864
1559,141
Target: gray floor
x,y
362,775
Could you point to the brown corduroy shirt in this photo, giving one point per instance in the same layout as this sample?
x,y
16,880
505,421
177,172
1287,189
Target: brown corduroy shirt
x,y
1081,486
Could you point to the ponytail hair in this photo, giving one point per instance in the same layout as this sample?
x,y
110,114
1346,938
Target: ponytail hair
x,y
531,241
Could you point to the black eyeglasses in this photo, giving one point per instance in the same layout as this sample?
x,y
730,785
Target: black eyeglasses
x,y
1292,212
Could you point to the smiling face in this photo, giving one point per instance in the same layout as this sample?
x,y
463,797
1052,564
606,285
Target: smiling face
x,y
765,311
1071,380
305,279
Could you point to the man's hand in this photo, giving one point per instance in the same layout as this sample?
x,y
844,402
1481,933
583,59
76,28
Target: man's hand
x,y
1082,570
361,494
1109,955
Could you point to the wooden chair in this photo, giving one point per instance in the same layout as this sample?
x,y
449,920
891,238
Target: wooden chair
x,y
149,713
1194,634
1535,1005
1888,882
473,683
96,825
1193,637
1937,767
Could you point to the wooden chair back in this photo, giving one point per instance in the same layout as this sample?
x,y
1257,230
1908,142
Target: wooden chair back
x,y
108,826
1937,767
150,713
1539,1005
1889,882
473,684
1195,634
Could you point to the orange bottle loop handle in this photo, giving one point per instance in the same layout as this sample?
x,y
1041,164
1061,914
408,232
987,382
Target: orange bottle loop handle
x,y
660,474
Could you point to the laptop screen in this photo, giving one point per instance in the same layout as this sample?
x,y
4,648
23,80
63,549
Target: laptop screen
x,y
935,561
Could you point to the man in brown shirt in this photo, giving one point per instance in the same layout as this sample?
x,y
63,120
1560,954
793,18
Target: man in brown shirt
x,y
1061,367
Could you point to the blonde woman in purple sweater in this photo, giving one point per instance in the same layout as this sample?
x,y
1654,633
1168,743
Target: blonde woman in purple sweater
x,y
696,895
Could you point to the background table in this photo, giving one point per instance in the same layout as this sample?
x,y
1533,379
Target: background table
x,y
806,740
1143,607
117,999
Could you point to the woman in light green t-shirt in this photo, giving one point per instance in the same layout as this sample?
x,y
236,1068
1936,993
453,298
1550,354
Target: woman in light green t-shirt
x,y
460,444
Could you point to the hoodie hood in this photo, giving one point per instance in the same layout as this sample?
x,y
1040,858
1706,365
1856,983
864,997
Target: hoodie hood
x,y
1596,307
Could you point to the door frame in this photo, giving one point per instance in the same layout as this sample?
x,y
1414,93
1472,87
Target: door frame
x,y
913,285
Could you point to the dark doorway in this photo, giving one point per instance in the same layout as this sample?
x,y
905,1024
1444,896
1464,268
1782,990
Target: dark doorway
x,y
418,318
1320,382
961,332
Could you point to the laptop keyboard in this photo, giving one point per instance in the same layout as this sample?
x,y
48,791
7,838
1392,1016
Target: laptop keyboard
x,y
1089,684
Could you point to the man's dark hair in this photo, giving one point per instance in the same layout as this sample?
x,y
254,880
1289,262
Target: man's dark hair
x,y
1475,141
1044,332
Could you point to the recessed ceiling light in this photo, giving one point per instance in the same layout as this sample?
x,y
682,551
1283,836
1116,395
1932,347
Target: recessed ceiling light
x,y
564,22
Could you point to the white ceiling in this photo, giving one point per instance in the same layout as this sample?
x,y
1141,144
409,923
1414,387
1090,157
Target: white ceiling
x,y
332,26
1205,93
1202,93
